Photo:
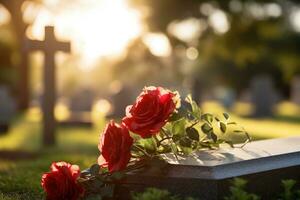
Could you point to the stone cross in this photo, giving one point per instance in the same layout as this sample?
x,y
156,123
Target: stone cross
x,y
49,46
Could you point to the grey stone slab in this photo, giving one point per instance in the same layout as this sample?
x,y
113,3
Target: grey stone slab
x,y
228,162
208,174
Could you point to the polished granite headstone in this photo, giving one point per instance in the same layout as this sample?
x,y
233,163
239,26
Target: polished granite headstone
x,y
207,174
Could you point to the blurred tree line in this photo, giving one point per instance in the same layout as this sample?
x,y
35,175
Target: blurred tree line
x,y
234,40
8,69
257,37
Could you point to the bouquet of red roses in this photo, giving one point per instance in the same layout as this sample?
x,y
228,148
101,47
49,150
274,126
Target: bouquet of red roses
x,y
157,123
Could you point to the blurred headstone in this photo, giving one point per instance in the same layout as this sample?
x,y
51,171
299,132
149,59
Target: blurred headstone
x,y
120,100
197,90
295,90
263,95
49,47
7,109
81,104
82,101
225,95
207,95
245,96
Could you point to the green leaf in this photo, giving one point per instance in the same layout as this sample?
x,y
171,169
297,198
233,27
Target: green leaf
x,y
185,142
222,127
176,138
175,116
196,111
226,115
206,128
207,117
94,169
214,137
187,150
192,133
174,149
217,119
189,99
148,144
178,127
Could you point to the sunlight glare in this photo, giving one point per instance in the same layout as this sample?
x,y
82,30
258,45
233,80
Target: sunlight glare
x,y
295,19
187,30
97,29
192,53
4,15
218,20
158,44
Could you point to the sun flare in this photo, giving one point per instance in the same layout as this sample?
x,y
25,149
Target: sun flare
x,y
96,28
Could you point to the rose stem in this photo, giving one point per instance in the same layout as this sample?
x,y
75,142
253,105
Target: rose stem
x,y
172,141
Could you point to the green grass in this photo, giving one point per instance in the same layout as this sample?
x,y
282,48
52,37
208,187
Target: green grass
x,y
21,179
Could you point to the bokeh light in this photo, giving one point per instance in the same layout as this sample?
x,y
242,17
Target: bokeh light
x,y
96,28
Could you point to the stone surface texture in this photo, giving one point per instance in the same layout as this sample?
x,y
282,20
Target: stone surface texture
x,y
207,174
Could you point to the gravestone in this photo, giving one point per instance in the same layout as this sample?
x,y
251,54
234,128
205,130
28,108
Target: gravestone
x,y
82,101
225,95
49,46
120,100
295,90
7,109
81,104
207,174
263,96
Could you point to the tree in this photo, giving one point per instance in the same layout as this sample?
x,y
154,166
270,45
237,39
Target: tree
x,y
259,39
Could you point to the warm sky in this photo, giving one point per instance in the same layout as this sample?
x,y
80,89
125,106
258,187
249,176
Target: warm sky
x,y
104,28
96,28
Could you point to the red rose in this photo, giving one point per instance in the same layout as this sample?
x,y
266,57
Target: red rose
x,y
150,112
61,183
115,145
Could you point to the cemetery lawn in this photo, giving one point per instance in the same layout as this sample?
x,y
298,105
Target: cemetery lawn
x,y
20,179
